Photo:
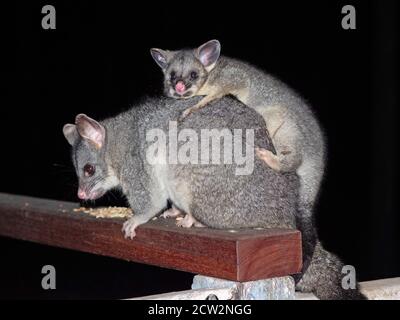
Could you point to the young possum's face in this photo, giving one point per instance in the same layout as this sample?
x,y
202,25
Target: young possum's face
x,y
186,71
87,138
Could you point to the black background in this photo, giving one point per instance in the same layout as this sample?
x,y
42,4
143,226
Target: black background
x,y
97,62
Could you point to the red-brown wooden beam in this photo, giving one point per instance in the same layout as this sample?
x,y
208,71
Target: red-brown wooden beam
x,y
240,256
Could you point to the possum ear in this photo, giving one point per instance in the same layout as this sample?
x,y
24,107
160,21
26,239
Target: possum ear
x,y
70,133
161,57
208,53
90,130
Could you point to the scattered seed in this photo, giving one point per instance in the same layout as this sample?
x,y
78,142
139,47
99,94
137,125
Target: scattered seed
x,y
107,212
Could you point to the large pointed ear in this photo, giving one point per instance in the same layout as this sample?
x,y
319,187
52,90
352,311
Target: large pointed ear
x,y
70,133
208,53
90,130
161,57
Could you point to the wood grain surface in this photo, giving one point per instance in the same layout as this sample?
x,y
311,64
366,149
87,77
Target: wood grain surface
x,y
239,255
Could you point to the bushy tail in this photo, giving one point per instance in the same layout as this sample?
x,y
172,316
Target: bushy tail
x,y
322,270
323,277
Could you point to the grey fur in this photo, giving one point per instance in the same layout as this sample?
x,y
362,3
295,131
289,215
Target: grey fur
x,y
264,199
213,194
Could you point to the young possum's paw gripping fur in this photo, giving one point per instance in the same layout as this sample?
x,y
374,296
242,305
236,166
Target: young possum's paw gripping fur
x,y
186,113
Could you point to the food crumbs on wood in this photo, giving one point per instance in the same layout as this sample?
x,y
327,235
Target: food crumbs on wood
x,y
107,212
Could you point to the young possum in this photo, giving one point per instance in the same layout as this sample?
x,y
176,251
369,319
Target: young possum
x,y
295,132
114,153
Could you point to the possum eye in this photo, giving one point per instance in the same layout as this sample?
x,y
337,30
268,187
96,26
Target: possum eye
x,y
172,76
89,170
194,75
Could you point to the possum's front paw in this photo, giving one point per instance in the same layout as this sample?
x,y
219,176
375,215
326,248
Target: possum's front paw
x,y
129,227
185,114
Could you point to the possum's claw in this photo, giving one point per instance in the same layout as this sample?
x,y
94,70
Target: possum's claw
x,y
188,221
185,114
129,227
269,158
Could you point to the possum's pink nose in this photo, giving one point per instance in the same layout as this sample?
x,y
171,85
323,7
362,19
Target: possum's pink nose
x,y
180,87
82,194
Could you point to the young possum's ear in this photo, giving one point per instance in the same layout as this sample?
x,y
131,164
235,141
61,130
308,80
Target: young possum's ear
x,y
161,57
208,53
90,130
70,133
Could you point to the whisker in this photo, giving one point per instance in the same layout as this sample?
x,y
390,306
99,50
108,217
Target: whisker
x,y
61,165
111,193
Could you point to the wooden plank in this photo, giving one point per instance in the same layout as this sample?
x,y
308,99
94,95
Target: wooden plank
x,y
242,255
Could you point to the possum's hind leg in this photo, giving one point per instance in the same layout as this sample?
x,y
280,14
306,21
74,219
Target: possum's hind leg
x,y
188,221
269,158
173,212
285,136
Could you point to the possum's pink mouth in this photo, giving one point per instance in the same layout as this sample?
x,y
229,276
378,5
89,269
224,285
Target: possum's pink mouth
x,y
180,87
90,195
